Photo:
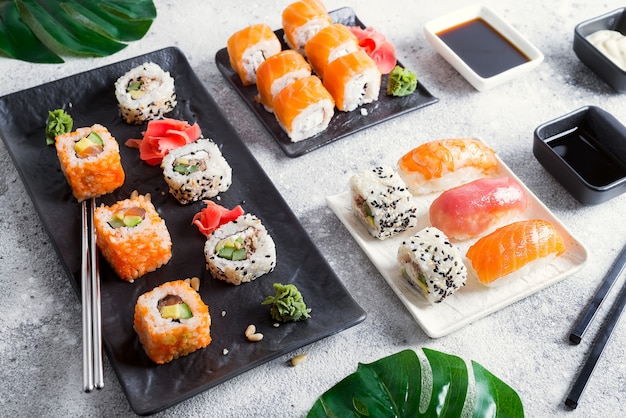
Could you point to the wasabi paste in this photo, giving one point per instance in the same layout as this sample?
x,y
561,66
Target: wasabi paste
x,y
287,304
402,82
59,122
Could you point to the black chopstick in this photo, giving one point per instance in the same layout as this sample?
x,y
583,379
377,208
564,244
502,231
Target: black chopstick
x,y
90,297
581,326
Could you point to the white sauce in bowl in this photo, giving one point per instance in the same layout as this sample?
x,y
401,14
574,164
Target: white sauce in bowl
x,y
612,44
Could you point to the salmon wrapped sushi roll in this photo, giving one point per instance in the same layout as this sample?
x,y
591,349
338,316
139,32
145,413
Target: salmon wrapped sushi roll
x,y
513,246
90,161
353,80
382,202
445,163
172,321
132,237
145,93
432,264
329,44
302,20
277,72
240,251
304,108
249,47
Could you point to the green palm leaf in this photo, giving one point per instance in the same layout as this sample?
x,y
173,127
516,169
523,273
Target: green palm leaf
x,y
40,30
394,387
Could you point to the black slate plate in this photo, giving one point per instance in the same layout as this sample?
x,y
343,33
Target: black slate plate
x,y
342,123
150,387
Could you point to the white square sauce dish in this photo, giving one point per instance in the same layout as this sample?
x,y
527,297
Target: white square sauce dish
x,y
485,49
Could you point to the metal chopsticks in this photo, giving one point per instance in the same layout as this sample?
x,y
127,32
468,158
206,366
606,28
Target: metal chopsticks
x,y
605,333
90,297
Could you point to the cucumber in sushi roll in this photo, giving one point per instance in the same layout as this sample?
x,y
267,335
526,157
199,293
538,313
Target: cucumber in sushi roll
x,y
196,171
145,93
240,251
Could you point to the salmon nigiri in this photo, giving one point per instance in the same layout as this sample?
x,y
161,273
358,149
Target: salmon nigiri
x,y
249,47
277,72
477,207
329,44
444,163
353,80
304,108
302,20
511,247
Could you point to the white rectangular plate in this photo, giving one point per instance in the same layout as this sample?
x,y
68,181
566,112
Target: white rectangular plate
x,y
474,301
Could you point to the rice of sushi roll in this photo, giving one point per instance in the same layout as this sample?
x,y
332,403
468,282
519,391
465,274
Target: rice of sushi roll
x,y
172,321
382,202
240,251
132,237
432,264
196,171
145,93
90,161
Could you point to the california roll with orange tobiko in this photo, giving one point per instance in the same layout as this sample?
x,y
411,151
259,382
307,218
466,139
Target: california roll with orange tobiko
x,y
132,236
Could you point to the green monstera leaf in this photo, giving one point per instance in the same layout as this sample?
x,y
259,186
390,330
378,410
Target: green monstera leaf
x,y
41,30
401,385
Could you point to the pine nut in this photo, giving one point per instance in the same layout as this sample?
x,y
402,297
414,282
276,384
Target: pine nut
x,y
250,330
299,359
195,283
257,336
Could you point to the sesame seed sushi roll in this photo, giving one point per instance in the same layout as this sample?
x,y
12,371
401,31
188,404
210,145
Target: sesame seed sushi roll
x,y
329,44
240,251
90,161
302,20
196,171
249,47
382,202
132,237
145,93
353,80
304,108
432,264
277,72
172,321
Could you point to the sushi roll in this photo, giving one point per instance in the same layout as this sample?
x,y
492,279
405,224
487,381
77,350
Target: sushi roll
x,y
432,264
196,171
511,247
329,44
302,20
382,202
445,163
240,251
132,237
172,321
277,72
249,47
353,80
90,161
145,93
478,207
304,108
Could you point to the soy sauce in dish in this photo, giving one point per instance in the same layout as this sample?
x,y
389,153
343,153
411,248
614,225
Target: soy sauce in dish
x,y
597,167
482,47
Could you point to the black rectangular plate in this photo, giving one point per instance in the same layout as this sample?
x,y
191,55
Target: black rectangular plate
x,y
150,387
342,123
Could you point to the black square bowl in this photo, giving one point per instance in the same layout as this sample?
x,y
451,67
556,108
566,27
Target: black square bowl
x,y
585,151
592,57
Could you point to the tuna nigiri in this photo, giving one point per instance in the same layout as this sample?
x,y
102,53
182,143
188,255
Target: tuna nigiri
x,y
475,208
353,80
511,247
445,163
278,71
304,108
249,47
329,44
302,20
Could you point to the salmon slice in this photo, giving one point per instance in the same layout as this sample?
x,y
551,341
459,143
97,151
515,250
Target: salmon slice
x,y
511,247
302,20
277,72
329,44
249,47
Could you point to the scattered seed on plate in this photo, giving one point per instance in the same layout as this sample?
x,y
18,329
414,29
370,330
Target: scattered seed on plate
x,y
223,313
257,336
225,351
250,330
